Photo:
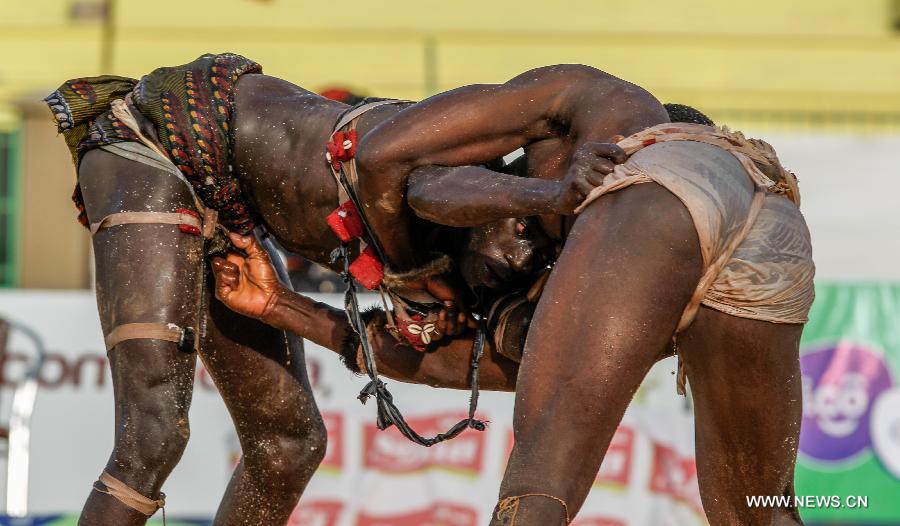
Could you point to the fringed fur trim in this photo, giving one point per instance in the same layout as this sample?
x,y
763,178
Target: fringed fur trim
x,y
441,264
351,347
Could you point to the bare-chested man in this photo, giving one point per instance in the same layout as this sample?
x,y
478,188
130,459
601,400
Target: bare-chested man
x,y
713,250
696,240
252,149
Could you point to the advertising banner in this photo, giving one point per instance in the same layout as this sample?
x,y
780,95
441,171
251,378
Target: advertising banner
x,y
368,477
849,466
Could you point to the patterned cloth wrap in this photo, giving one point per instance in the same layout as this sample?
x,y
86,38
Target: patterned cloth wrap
x,y
190,106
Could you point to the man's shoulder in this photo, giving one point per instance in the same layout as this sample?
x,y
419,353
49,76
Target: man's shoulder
x,y
567,75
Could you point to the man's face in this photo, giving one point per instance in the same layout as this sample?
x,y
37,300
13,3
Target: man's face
x,y
501,253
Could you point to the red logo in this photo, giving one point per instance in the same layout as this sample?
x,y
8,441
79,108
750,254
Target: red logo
x,y
316,513
616,467
440,514
675,476
391,452
334,452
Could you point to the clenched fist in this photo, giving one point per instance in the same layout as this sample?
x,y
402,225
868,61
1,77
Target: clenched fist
x,y
247,285
590,164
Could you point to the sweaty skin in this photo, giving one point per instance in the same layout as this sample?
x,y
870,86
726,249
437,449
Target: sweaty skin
x,y
608,312
248,285
546,110
630,264
153,273
280,131
583,362
639,247
552,112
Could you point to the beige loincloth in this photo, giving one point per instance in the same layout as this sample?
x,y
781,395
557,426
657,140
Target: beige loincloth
x,y
757,258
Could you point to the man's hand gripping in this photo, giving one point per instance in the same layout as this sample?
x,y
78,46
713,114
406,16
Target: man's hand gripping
x,y
247,284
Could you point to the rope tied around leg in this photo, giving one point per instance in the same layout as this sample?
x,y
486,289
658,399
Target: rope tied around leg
x,y
509,507
130,497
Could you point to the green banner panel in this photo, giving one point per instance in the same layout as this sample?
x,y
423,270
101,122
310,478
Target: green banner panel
x,y
849,465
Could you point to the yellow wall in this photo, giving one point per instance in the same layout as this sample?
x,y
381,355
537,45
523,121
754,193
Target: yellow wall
x,y
807,64
831,59
54,250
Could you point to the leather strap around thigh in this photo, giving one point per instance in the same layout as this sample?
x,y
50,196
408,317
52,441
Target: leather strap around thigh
x,y
200,224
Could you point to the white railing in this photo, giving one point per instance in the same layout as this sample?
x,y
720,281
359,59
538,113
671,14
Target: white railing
x,y
18,447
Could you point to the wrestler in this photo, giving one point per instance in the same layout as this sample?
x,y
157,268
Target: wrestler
x,y
693,204
696,240
164,161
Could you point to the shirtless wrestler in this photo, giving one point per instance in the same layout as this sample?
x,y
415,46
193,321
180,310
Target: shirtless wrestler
x,y
157,157
711,252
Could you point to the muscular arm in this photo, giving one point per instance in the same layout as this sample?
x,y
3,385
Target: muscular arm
x,y
447,366
465,126
471,195
318,322
474,124
247,284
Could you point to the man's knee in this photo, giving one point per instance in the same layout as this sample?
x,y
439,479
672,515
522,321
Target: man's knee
x,y
149,444
288,456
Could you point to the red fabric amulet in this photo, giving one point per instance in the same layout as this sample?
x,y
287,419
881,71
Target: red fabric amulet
x,y
346,222
341,148
367,269
413,338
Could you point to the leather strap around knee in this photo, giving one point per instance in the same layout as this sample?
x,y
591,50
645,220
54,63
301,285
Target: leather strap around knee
x,y
120,491
508,508
184,337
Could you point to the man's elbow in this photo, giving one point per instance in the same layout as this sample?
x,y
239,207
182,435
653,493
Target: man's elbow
x,y
374,156
421,203
382,178
427,206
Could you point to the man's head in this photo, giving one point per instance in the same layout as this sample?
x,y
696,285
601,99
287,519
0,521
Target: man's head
x,y
502,253
684,113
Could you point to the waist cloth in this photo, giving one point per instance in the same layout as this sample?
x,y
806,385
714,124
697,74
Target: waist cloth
x,y
756,247
190,107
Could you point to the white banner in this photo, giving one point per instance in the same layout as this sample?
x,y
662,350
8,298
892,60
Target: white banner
x,y
368,477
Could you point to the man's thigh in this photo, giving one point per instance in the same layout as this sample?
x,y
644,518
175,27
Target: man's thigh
x,y
744,377
260,376
628,269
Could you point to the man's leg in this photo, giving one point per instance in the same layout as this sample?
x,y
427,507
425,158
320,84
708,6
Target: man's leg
x,y
745,381
628,269
268,395
145,273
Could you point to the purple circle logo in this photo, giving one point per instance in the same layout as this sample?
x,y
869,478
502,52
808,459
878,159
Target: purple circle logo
x,y
840,384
